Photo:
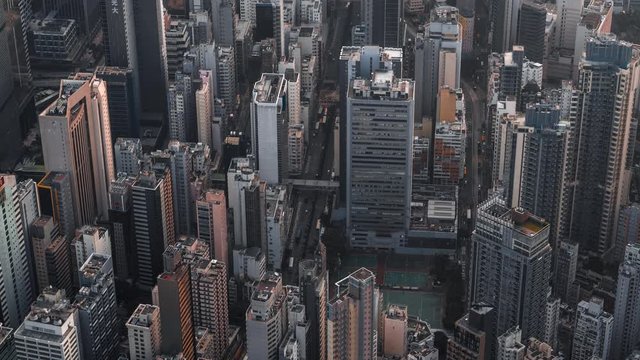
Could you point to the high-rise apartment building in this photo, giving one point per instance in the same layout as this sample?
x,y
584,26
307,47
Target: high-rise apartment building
x,y
51,326
121,218
593,331
510,345
210,301
211,214
98,308
277,222
43,231
226,79
352,318
438,58
182,111
626,319
128,156
89,240
204,110
628,231
474,335
566,265
379,160
247,203
76,139
597,180
58,261
313,284
269,129
56,200
143,328
153,224
519,241
383,21
174,300
15,274
266,318
223,12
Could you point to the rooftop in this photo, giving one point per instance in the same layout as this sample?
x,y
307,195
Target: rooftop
x,y
269,88
520,219
397,312
51,26
143,315
383,86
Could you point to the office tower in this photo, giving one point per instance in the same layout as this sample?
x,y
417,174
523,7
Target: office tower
x,y
226,78
543,161
128,156
211,215
511,74
52,326
626,319
566,264
97,308
143,328
89,240
628,231
56,200
531,30
503,18
176,318
16,273
247,202
450,137
355,306
204,111
269,128
43,231
593,330
182,110
268,24
266,318
312,281
76,140
210,301
569,12
119,36
510,345
395,330
223,12
380,119
438,58
121,218
123,101
522,238
598,180
383,21
152,222
474,335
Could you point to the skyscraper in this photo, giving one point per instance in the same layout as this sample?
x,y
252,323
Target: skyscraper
x,y
58,263
352,318
56,199
210,301
628,231
266,318
438,58
211,214
123,101
121,218
312,281
600,157
269,128
379,160
510,345
626,319
593,330
152,223
383,21
182,110
97,308
566,264
204,111
15,279
395,330
519,242
503,24
89,240
52,326
6,77
128,156
43,231
247,203
76,139
223,12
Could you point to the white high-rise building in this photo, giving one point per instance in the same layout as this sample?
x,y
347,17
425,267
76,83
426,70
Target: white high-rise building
x,y
247,203
593,331
510,345
128,156
144,328
76,139
52,327
277,221
269,128
379,148
15,272
626,320
90,240
266,318
438,59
